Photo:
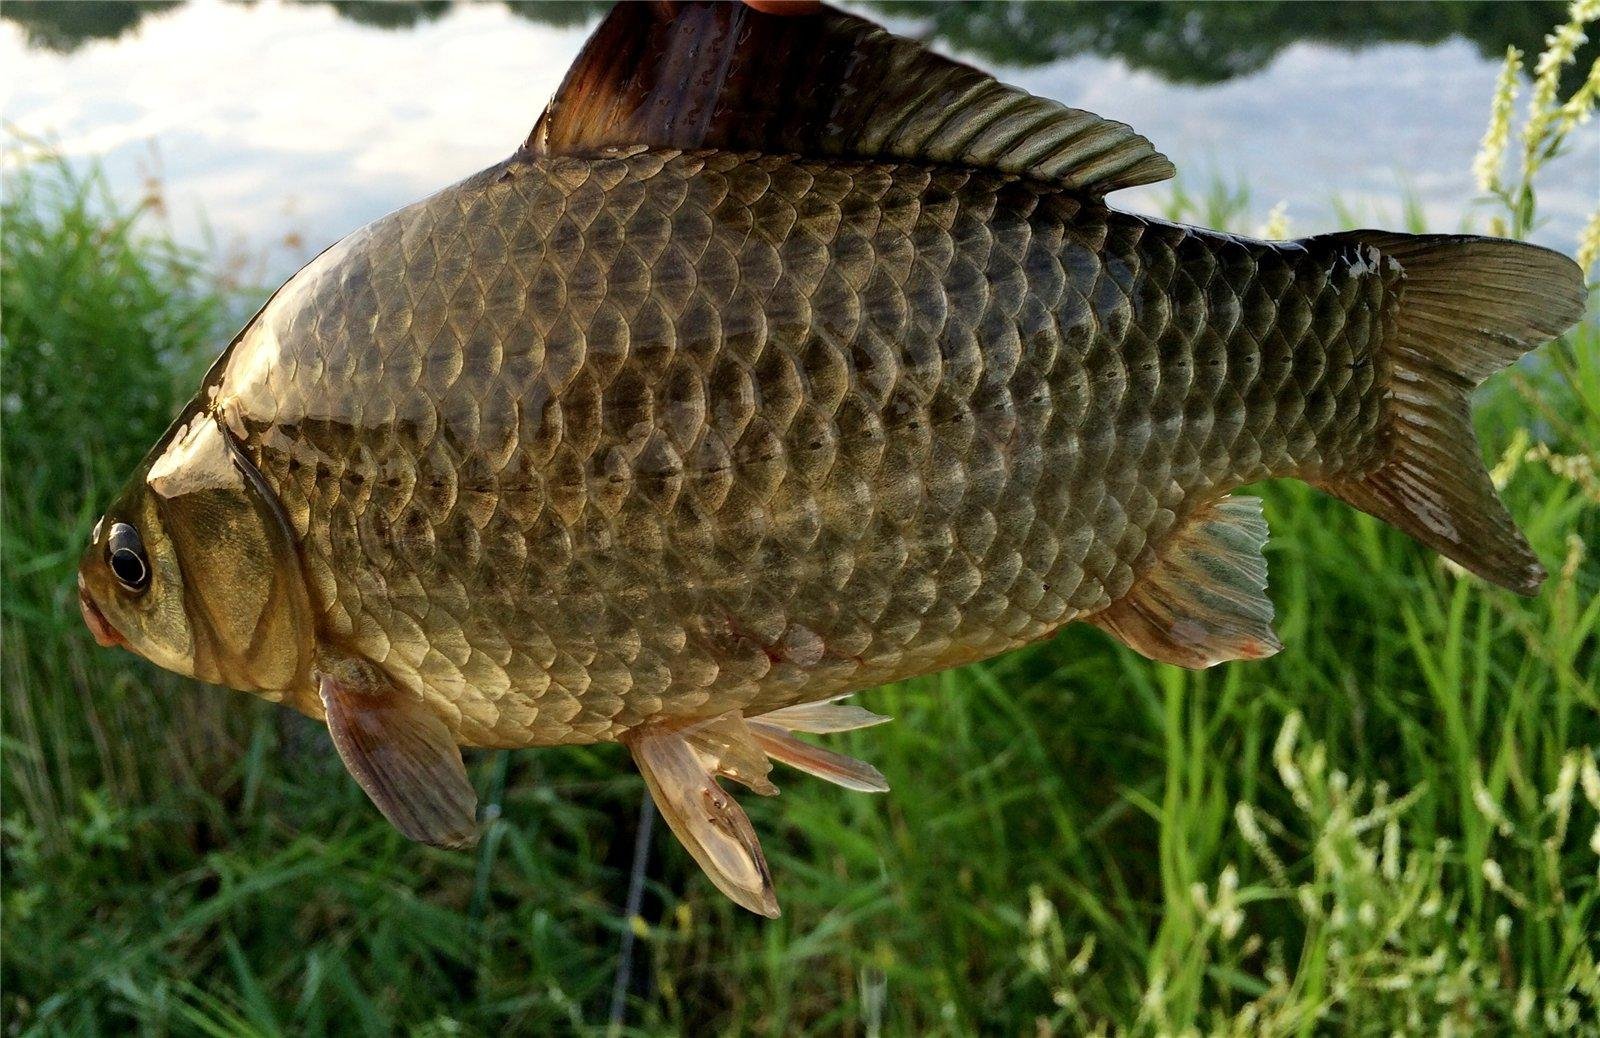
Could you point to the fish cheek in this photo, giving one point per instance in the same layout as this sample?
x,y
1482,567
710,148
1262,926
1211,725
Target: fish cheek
x,y
240,600
243,590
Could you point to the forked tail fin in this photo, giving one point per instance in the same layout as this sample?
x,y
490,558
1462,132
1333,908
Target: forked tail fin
x,y
1469,307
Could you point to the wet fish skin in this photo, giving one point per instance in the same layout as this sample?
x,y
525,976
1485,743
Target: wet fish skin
x,y
660,433
582,443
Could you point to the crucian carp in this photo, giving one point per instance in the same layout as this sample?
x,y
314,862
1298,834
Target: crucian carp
x,y
784,359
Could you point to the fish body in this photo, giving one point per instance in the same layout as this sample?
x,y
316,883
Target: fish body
x,y
581,444
730,394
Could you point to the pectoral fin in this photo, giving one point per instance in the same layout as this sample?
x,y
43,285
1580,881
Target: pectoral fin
x,y
1205,601
401,753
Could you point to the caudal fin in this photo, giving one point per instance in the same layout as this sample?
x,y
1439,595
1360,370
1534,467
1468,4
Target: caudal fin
x,y
1469,307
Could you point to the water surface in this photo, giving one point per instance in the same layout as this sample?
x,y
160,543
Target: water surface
x,y
279,127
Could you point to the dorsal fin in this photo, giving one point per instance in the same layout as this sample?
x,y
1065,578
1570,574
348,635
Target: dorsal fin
x,y
721,75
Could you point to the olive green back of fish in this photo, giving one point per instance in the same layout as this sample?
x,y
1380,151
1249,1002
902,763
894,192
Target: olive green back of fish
x,y
581,442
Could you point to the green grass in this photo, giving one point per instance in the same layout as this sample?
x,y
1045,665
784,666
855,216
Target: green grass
x,y
1387,828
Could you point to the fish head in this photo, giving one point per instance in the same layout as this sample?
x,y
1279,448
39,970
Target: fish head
x,y
130,584
194,568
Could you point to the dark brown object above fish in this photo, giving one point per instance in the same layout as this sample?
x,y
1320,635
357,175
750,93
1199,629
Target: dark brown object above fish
x,y
783,360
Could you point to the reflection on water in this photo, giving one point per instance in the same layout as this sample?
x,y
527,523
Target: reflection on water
x,y
1214,40
1187,41
312,118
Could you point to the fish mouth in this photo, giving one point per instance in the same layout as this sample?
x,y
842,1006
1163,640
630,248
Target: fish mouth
x,y
99,626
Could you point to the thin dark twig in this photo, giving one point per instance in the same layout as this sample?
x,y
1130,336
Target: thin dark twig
x,y
641,858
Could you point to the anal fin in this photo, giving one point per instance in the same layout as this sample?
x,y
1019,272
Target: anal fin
x,y
1205,600
400,753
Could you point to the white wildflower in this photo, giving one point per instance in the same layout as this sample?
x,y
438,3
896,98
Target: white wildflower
x,y
1495,876
1577,109
1283,756
1244,816
1590,777
1589,243
1228,916
1560,47
1492,151
1040,911
1522,1013
1559,800
1156,993
1276,227
1391,851
1080,962
1513,456
1041,921
1485,802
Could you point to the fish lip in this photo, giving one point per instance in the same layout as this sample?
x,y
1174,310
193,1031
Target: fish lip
x,y
99,626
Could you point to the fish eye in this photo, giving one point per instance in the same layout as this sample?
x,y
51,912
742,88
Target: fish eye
x,y
125,555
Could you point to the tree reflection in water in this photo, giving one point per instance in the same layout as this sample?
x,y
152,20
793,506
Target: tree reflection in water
x,y
1182,41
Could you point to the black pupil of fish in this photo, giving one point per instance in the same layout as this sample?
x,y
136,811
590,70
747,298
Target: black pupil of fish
x,y
127,557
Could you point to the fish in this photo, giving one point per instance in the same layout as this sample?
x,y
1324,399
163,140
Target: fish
x,y
784,359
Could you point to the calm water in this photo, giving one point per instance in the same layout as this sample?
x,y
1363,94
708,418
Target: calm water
x,y
279,127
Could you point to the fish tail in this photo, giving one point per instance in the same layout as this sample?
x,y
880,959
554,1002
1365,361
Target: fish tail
x,y
1468,307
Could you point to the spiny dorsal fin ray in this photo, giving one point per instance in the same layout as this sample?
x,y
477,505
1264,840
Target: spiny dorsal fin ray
x,y
721,75
1205,600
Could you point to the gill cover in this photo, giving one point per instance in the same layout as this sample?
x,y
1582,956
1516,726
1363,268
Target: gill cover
x,y
244,592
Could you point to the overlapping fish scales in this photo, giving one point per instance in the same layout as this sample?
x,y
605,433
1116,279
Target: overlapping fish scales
x,y
583,442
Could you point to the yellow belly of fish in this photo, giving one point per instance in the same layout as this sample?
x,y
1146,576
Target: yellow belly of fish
x,y
579,444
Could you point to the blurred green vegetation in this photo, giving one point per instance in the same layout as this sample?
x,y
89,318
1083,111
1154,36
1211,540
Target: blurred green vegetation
x,y
1390,827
